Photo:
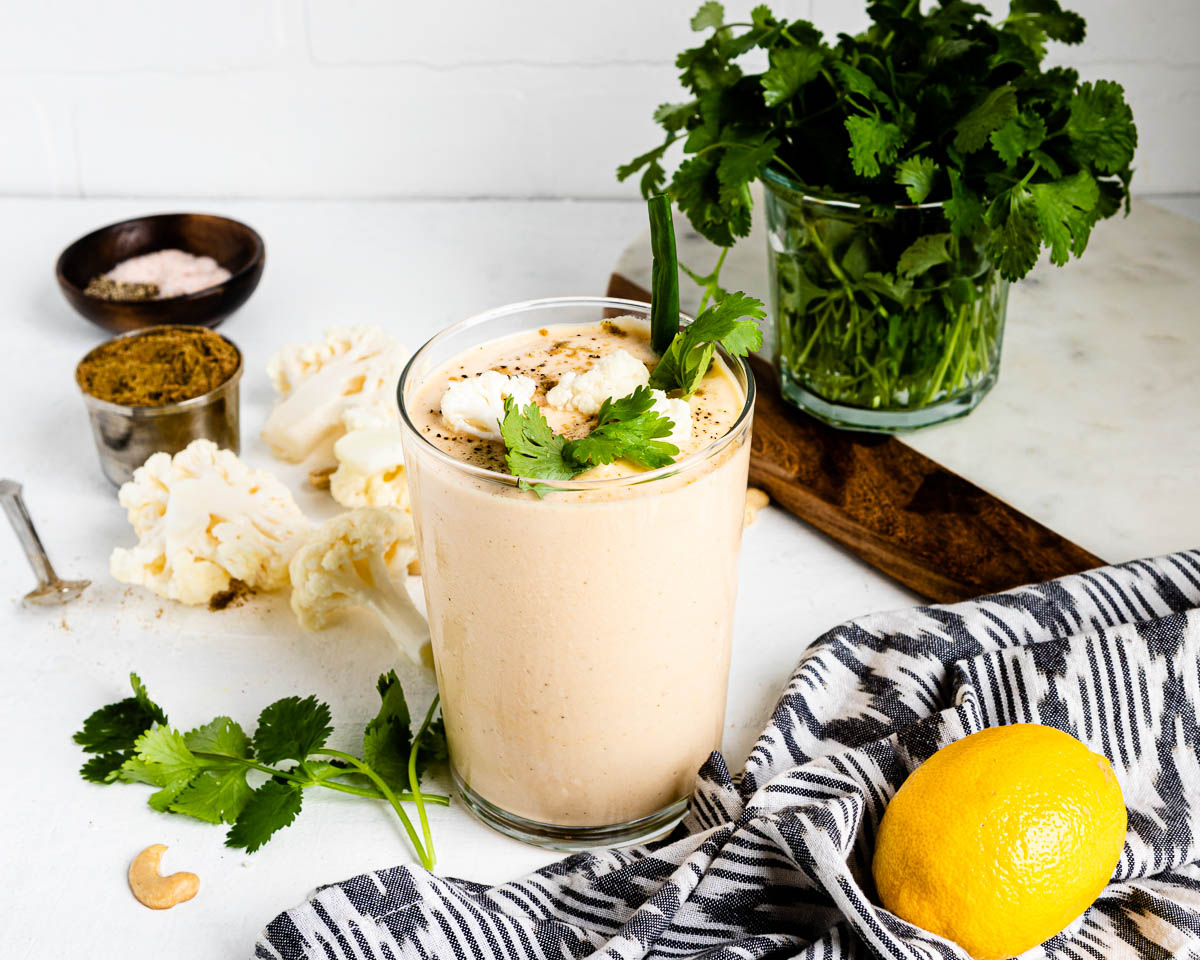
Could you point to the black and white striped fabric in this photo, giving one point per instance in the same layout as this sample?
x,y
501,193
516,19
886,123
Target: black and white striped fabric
x,y
776,863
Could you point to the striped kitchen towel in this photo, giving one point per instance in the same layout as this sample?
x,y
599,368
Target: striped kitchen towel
x,y
776,863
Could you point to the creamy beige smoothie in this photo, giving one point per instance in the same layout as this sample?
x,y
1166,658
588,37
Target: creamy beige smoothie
x,y
582,638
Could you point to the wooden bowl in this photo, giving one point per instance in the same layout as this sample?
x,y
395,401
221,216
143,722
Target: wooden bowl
x,y
233,245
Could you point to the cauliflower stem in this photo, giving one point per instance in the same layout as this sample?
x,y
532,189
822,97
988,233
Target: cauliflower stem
x,y
389,600
348,562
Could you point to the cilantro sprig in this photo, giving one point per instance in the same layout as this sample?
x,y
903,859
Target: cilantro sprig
x,y
629,428
205,773
731,323
924,106
626,429
724,324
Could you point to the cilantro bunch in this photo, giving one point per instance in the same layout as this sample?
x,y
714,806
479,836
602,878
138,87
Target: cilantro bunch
x,y
204,773
930,106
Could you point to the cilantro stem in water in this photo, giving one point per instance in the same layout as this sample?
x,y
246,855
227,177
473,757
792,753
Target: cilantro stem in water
x,y
664,300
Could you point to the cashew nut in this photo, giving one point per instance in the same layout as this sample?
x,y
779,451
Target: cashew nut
x,y
755,500
155,891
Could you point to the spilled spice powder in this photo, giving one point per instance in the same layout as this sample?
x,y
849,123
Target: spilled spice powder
x,y
237,594
163,365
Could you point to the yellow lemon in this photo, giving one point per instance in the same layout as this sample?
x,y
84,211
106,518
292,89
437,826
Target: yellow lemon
x,y
999,840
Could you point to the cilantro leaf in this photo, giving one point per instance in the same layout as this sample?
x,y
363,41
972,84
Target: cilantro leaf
x,y
1019,135
964,209
115,727
142,697
761,16
387,739
674,116
220,736
923,254
915,174
163,759
859,83
1063,210
710,14
655,176
686,361
1037,19
791,68
104,767
995,110
1015,238
1101,126
291,729
269,809
696,190
535,451
433,748
738,167
627,429
218,796
872,142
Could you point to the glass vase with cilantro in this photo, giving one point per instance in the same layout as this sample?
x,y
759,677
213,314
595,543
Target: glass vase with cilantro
x,y
909,172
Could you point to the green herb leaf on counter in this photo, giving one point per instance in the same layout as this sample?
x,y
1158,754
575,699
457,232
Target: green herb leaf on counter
x,y
204,773
270,808
626,429
291,729
118,725
387,739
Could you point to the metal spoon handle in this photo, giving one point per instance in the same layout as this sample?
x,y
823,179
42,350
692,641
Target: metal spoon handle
x,y
22,523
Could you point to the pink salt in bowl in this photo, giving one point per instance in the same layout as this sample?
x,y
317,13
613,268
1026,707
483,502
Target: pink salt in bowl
x,y
235,246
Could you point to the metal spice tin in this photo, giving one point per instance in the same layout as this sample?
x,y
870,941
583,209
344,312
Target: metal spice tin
x,y
126,436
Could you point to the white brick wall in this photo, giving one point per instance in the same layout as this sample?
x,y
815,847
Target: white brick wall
x,y
399,98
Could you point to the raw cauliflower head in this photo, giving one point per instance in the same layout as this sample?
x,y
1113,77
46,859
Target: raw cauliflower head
x,y
318,382
204,518
370,458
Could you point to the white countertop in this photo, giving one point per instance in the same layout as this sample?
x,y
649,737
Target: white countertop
x,y
412,268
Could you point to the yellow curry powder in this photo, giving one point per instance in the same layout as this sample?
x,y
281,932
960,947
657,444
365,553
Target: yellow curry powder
x,y
164,365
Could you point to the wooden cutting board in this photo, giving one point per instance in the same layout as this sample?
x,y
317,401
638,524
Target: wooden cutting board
x,y
921,524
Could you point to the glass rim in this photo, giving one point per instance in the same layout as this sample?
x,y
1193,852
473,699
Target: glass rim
x,y
567,486
772,177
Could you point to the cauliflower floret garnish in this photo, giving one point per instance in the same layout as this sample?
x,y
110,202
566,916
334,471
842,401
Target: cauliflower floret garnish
x,y
475,406
679,412
616,375
349,562
204,518
318,382
370,456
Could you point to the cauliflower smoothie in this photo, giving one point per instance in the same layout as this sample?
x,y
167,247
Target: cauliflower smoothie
x,y
581,637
